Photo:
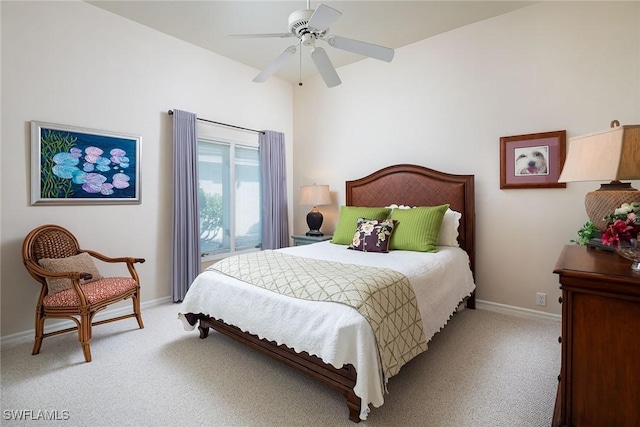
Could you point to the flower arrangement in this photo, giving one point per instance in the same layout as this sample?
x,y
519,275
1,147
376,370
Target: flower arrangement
x,y
624,224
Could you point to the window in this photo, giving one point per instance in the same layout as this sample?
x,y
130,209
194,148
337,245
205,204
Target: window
x,y
229,195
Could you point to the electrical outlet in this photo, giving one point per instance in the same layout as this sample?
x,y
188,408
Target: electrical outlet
x,y
541,298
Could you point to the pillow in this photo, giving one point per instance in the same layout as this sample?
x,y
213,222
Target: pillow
x,y
417,229
348,221
372,235
449,229
81,262
394,206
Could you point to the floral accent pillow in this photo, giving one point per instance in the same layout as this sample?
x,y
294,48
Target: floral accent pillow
x,y
373,235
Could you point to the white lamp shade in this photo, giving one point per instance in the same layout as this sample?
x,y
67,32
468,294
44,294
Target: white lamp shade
x,y
612,155
315,195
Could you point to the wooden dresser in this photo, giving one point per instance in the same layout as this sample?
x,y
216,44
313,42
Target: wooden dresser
x,y
600,373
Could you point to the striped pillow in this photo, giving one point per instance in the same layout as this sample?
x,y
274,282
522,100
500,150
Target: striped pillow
x,y
417,229
348,221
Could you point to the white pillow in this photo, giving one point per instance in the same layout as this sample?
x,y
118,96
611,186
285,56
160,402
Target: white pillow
x,y
449,228
394,206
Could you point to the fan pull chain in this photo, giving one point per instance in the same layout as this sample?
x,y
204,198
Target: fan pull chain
x,y
300,78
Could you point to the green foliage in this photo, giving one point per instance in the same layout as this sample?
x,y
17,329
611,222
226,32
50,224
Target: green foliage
x,y
53,142
210,215
586,233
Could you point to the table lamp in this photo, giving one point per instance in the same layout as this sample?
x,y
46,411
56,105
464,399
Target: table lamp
x,y
315,195
612,155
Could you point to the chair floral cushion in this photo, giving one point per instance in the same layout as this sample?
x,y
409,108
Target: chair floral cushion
x,y
373,235
94,291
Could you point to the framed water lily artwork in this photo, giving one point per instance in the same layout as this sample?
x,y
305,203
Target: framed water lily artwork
x,y
74,165
534,160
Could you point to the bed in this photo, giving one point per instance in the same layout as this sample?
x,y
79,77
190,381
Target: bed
x,y
342,353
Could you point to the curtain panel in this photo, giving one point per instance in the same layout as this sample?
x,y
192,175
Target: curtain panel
x,y
186,216
275,218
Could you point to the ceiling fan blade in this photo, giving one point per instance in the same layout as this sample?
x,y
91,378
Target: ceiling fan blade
x,y
323,17
248,36
363,48
325,67
275,65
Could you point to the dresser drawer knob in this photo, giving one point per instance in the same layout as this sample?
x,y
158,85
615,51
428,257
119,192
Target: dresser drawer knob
x,y
560,300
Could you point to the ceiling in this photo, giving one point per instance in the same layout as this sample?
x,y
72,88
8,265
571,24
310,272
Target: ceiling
x,y
393,24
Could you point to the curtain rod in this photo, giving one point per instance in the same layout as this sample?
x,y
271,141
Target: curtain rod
x,y
170,112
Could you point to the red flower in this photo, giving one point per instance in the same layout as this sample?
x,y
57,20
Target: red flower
x,y
619,230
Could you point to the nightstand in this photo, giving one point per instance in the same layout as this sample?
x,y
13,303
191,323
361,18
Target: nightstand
x,y
301,239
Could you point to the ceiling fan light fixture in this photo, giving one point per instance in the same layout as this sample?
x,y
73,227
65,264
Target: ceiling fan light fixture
x,y
308,39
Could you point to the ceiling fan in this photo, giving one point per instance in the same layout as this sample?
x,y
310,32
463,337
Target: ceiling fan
x,y
308,26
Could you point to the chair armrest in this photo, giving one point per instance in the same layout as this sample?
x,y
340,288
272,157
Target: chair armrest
x,y
38,270
106,258
130,261
41,274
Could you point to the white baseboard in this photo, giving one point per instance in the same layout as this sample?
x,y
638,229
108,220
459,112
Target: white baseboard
x,y
510,309
64,324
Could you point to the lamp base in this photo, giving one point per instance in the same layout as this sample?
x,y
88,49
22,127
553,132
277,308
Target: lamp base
x,y
617,186
604,201
314,221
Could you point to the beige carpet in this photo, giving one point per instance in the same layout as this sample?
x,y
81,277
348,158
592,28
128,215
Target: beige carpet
x,y
484,369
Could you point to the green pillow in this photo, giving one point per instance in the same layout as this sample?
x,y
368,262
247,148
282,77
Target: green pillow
x,y
348,221
418,228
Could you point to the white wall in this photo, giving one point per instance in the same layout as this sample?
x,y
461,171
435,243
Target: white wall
x,y
445,102
74,64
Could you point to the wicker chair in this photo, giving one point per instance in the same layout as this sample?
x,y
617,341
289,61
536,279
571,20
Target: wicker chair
x,y
80,296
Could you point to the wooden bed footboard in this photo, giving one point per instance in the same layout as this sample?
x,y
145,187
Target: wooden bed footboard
x,y
343,379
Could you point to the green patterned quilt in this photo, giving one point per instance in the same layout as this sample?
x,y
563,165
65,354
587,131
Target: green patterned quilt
x,y
383,296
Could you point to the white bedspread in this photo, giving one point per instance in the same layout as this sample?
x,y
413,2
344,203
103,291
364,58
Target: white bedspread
x,y
440,281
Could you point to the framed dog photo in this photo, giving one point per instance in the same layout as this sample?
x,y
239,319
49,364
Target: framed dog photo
x,y
532,161
73,165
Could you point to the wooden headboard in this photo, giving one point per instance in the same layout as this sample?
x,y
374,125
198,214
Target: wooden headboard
x,y
415,185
